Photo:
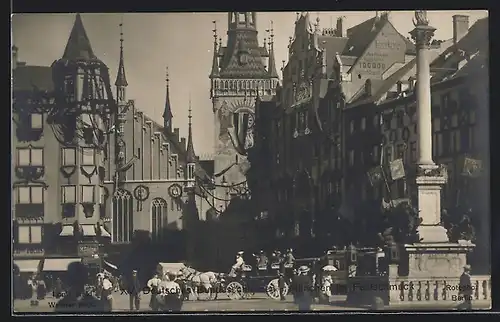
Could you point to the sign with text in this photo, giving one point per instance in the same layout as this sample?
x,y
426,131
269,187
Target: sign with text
x,y
29,252
387,49
87,250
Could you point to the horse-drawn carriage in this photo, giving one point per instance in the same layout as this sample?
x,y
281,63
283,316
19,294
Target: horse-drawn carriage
x,y
252,280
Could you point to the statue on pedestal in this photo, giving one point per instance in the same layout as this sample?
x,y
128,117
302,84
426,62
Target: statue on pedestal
x,y
420,18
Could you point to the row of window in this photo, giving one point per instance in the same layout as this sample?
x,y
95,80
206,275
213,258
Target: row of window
x,y
33,121
34,156
29,234
122,227
36,194
454,141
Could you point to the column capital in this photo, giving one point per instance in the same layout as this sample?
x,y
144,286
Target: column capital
x,y
422,35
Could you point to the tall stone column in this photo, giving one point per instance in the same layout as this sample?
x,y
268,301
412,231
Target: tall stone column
x,y
430,177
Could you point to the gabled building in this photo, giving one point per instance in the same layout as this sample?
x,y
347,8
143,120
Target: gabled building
x,y
325,129
92,174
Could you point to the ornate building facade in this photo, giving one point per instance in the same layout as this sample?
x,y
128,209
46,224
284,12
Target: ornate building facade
x,y
240,71
349,124
92,173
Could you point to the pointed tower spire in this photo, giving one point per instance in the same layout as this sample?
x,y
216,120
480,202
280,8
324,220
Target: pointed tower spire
x,y
78,46
167,112
272,64
121,80
191,156
215,61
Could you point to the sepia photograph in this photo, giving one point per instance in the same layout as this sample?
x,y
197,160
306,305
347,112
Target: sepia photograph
x,y
250,162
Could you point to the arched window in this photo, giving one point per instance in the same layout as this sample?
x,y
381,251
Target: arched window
x,y
158,218
123,227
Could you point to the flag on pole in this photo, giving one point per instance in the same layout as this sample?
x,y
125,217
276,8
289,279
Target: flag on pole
x,y
394,203
397,169
375,175
472,167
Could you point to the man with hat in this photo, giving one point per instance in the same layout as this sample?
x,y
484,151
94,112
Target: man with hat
x,y
134,292
262,260
179,279
238,266
465,289
302,289
153,286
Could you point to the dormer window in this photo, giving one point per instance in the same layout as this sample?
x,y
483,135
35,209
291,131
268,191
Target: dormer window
x,y
190,171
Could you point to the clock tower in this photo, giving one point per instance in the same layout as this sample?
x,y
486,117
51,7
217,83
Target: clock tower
x,y
241,71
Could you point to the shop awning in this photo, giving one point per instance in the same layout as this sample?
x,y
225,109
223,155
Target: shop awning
x,y
110,265
104,232
67,230
58,264
27,265
89,230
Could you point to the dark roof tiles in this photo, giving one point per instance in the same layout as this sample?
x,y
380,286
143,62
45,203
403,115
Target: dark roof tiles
x,y
28,78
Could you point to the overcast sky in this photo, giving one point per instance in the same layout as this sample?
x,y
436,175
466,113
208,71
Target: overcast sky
x,y
182,41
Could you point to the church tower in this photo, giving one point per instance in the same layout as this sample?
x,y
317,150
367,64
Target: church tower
x,y
241,71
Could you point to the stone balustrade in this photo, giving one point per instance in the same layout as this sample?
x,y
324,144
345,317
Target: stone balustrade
x,y
416,293
437,292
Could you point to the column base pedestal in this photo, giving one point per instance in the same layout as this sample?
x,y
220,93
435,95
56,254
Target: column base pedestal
x,y
436,260
432,234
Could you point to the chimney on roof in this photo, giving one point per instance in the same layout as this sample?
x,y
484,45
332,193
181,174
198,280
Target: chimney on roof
x,y
368,87
14,57
176,135
460,27
412,81
183,143
339,30
399,85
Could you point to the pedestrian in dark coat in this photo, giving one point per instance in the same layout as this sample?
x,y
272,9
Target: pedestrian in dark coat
x,y
465,289
302,287
134,292
77,299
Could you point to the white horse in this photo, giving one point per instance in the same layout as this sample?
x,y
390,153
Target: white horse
x,y
197,280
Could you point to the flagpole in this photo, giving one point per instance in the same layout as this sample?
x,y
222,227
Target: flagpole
x,y
382,166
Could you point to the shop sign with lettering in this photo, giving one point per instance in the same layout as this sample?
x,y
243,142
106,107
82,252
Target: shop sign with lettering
x,y
29,252
386,50
88,249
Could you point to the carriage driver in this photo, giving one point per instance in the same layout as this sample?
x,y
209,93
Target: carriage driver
x,y
289,258
238,266
262,260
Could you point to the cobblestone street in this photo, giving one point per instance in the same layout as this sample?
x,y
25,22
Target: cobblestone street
x,y
259,302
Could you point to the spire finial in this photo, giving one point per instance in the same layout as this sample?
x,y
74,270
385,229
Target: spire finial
x,y
271,34
167,77
220,42
215,31
190,116
121,80
121,33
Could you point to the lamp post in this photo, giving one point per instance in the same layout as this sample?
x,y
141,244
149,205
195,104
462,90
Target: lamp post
x,y
224,183
430,177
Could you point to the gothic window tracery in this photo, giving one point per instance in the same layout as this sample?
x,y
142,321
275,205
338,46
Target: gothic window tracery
x,y
122,228
159,222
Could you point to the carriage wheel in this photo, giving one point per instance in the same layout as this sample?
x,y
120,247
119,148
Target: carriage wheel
x,y
273,290
234,291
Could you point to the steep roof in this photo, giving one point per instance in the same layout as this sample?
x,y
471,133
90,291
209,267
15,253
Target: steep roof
x,y
78,46
362,35
332,45
242,57
121,79
475,42
27,78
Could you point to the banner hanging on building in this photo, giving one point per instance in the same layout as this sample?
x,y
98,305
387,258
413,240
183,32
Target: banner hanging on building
x,y
397,169
472,167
